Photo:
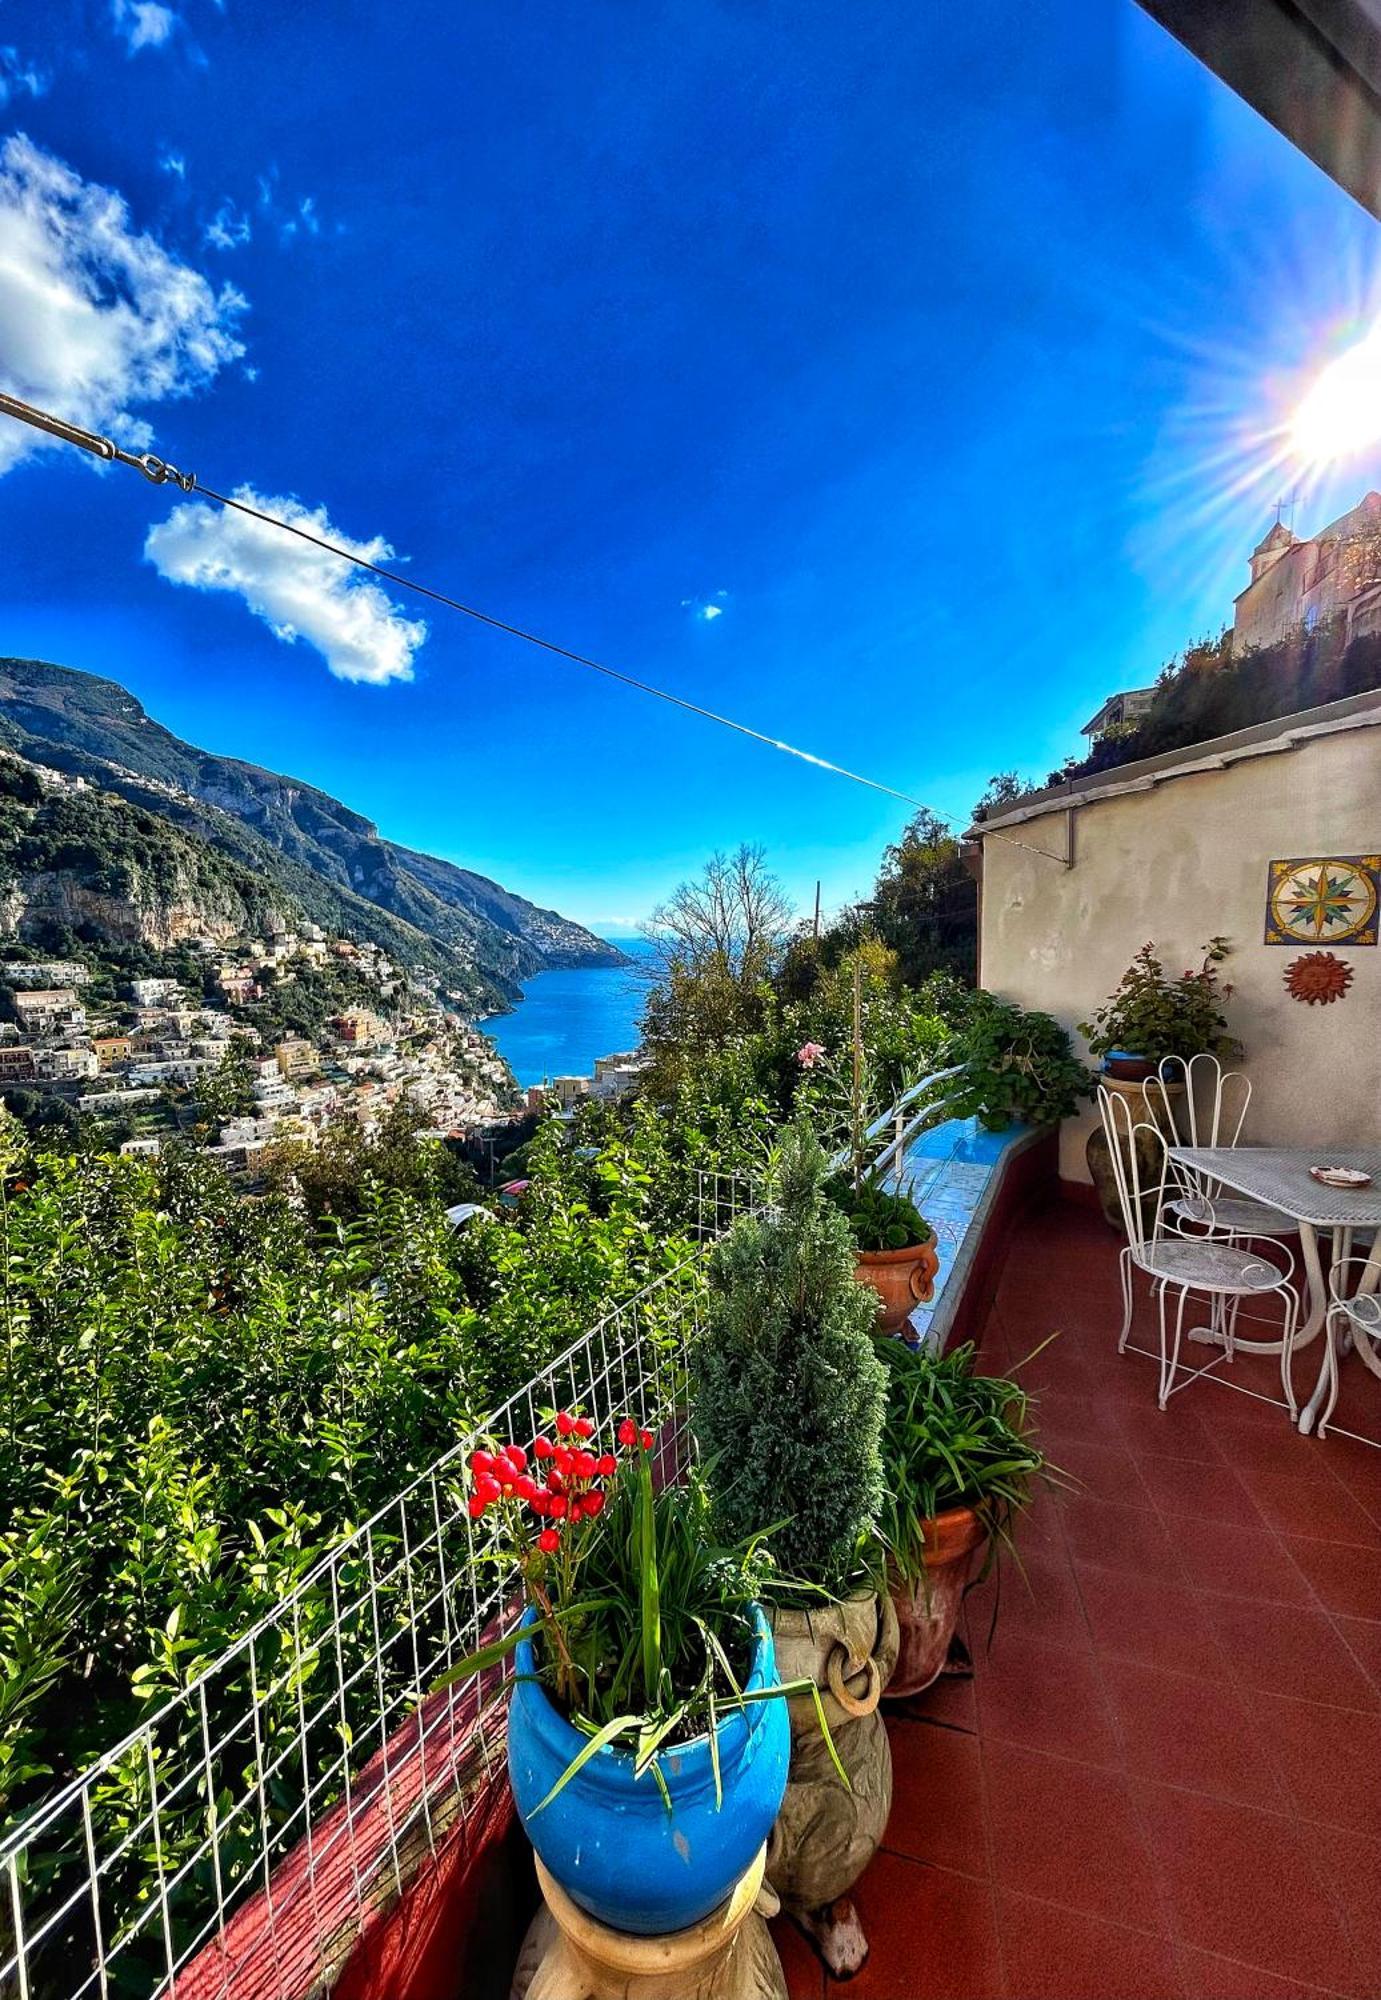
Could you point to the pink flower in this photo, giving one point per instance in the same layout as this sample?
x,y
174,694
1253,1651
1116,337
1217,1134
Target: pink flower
x,y
809,1054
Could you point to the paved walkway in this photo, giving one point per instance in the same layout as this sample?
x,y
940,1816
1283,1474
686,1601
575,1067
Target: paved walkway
x,y
1164,1781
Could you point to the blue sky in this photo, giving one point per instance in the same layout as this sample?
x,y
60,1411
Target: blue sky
x,y
937,352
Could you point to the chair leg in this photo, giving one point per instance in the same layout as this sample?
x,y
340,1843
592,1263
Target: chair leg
x,y
1125,1264
1230,1326
1167,1380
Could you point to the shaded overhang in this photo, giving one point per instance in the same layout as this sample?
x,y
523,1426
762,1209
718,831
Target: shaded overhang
x,y
1311,67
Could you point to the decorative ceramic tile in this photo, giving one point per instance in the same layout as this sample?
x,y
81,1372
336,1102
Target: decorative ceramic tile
x,y
1330,899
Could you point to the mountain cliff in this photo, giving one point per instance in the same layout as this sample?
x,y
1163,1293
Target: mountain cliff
x,y
475,938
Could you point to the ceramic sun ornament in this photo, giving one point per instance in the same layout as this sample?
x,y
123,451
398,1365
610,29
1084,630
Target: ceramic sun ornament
x,y
1318,978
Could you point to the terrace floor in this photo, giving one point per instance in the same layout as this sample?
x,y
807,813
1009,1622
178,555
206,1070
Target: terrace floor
x,y
1165,1776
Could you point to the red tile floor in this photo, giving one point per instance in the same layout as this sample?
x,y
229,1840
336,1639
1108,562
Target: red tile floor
x,y
1164,1778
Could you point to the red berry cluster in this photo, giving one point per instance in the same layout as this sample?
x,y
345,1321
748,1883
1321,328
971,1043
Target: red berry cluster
x,y
564,1484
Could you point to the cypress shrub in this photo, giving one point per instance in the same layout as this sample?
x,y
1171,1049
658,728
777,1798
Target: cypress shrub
x,y
788,1393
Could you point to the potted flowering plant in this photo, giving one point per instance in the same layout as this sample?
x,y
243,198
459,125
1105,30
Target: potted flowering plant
x,y
647,1734
1151,1016
959,1461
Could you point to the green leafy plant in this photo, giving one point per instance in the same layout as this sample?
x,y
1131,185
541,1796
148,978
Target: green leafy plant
x,y
1154,1016
951,1438
641,1622
786,1387
878,1217
1017,1064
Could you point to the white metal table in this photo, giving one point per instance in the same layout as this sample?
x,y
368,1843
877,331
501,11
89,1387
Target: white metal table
x,y
1279,1175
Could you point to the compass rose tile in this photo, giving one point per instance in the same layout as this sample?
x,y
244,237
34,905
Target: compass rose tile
x,y
1323,899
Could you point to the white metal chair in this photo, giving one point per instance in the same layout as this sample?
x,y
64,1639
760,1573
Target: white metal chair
x,y
1180,1262
1353,1308
1211,1111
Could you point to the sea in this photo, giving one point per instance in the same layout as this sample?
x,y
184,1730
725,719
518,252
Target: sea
x,y
567,1018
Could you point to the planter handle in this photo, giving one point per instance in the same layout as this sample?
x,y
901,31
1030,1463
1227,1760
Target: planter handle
x,y
921,1284
834,1675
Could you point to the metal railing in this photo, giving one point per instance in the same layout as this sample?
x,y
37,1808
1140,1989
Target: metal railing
x,y
301,1779
923,1104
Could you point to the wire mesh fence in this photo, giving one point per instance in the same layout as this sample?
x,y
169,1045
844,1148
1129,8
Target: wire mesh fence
x,y
313,1766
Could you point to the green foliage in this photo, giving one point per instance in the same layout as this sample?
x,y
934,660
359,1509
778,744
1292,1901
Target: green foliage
x,y
951,1438
1154,1016
1017,1064
105,845
301,997
334,1174
1210,691
925,903
878,1217
201,1392
227,1091
786,1388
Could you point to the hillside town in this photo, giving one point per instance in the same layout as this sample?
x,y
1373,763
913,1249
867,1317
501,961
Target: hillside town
x,y
155,1058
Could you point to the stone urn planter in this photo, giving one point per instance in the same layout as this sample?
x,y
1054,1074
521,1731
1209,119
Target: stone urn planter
x,y
902,1279
1149,1108
728,1955
927,1611
825,1835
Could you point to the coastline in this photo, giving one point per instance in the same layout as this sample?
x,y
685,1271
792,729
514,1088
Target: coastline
x,y
572,1018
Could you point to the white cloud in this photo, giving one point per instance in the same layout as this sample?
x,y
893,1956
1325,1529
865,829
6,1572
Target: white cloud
x,y
19,78
94,317
288,217
706,609
298,591
228,228
144,24
171,163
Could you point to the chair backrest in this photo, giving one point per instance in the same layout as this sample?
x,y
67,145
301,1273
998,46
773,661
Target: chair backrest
x,y
1210,1110
1136,1147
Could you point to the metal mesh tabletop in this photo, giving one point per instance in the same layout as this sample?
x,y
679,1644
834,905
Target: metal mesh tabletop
x,y
1279,1176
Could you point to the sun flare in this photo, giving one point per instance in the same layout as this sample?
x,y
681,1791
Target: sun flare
x,y
1341,413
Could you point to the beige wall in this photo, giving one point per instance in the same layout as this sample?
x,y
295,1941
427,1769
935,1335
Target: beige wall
x,y
1176,864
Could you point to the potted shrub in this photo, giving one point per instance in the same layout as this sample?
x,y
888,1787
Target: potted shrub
x,y
787,1404
1151,1016
1017,1065
958,1463
897,1255
647,1734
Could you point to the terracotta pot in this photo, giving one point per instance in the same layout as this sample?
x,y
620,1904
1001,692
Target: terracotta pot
x,y
928,1612
901,1278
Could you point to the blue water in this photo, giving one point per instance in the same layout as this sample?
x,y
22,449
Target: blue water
x,y
567,1018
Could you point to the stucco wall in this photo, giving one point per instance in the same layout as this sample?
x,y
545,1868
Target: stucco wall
x,y
1177,864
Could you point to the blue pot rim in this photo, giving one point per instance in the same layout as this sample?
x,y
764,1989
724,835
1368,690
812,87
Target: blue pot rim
x,y
683,1764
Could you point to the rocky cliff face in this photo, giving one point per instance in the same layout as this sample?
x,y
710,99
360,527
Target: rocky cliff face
x,y
79,859
472,933
31,906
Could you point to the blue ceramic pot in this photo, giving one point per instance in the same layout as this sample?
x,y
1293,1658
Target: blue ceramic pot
x,y
611,1842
